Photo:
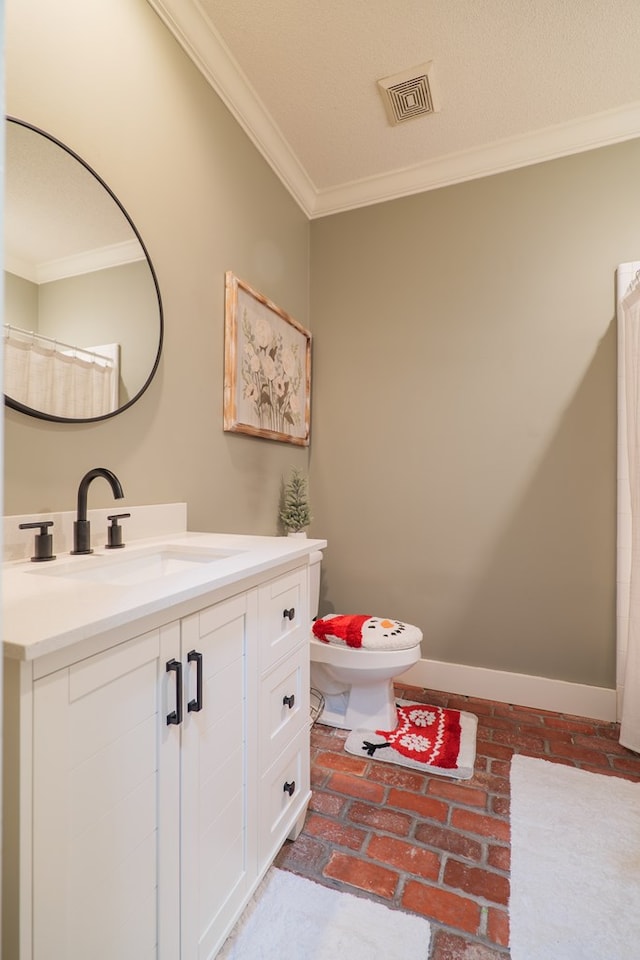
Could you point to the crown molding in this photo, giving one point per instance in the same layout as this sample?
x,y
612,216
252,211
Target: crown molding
x,y
577,136
193,30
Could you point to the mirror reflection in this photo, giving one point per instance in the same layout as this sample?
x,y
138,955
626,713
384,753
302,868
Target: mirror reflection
x,y
82,310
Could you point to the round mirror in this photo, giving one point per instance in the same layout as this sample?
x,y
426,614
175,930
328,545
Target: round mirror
x,y
83,319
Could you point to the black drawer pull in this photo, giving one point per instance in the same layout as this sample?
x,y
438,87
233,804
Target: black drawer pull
x,y
176,715
196,705
290,788
289,701
289,614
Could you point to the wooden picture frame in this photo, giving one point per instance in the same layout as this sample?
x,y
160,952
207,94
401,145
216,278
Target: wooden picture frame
x,y
267,367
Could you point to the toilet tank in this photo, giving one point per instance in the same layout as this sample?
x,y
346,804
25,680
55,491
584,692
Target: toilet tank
x,y
315,559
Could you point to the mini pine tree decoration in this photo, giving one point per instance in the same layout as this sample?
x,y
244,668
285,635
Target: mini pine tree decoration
x,y
295,513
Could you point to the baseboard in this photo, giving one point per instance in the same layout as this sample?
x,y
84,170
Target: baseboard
x,y
577,699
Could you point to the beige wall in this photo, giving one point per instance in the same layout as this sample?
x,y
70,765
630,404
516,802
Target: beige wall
x,y
463,461
108,80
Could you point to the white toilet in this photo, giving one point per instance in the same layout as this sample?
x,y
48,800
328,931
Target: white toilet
x,y
357,681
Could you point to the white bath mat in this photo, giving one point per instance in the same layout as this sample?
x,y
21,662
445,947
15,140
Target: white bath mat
x,y
290,916
575,864
432,739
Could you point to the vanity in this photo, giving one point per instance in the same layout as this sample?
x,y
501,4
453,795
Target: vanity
x,y
156,738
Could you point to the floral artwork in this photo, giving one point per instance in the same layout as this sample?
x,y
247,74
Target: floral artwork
x,y
267,368
272,372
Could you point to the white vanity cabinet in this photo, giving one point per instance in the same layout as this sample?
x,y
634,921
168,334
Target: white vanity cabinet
x,y
149,785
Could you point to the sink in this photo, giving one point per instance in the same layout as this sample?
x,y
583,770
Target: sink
x,y
144,566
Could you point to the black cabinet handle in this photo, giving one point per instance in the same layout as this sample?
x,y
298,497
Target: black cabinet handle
x,y
289,701
176,715
289,614
290,788
196,705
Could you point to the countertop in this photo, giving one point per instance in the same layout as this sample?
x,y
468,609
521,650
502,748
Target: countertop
x,y
49,606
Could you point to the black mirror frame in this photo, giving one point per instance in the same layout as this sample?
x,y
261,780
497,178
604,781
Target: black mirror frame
x,y
15,404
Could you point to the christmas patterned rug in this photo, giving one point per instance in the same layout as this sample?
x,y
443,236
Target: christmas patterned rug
x,y
432,739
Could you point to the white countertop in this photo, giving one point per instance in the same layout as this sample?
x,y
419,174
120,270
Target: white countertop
x,y
46,610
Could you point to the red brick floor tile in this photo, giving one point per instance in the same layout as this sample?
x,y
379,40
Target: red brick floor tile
x,y
335,832
380,818
587,727
330,803
443,906
449,841
426,807
500,806
404,856
361,874
397,776
497,750
477,882
303,856
448,946
500,768
341,761
458,792
356,787
568,751
499,857
498,926
483,826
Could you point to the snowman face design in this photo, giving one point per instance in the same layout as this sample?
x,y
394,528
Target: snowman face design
x,y
376,629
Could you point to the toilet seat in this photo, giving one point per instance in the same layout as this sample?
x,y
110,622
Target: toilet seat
x,y
365,632
361,659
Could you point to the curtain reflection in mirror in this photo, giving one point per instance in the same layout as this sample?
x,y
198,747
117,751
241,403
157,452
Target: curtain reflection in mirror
x,y
69,382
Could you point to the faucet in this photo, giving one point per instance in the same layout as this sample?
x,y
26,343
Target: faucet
x,y
82,526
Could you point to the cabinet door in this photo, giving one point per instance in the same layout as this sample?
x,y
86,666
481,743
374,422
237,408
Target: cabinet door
x,y
219,850
101,756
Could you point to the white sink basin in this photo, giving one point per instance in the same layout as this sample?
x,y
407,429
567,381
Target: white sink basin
x,y
122,570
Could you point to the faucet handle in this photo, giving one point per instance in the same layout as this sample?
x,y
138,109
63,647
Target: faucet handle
x,y
114,531
43,540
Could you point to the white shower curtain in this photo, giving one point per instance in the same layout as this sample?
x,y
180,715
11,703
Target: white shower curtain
x,y
628,578
63,382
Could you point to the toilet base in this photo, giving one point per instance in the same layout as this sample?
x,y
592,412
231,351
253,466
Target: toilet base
x,y
370,707
334,710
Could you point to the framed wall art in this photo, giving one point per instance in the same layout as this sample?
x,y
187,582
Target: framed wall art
x,y
267,367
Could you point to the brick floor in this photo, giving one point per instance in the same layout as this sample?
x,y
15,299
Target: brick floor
x,y
431,846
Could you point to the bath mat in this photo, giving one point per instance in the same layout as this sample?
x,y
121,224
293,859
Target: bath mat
x,y
575,857
290,916
432,739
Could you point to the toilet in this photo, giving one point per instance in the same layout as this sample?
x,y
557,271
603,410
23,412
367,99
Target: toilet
x,y
355,663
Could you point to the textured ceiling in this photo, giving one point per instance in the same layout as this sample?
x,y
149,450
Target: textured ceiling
x,y
517,81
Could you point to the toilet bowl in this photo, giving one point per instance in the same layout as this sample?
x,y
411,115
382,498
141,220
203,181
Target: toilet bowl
x,y
357,681
357,684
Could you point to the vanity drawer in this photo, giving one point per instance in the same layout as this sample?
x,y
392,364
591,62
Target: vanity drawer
x,y
284,793
283,615
284,704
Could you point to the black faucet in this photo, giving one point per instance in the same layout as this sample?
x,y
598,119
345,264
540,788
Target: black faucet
x,y
82,526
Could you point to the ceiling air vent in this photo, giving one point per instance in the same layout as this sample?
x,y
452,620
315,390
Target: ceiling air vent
x,y
409,94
